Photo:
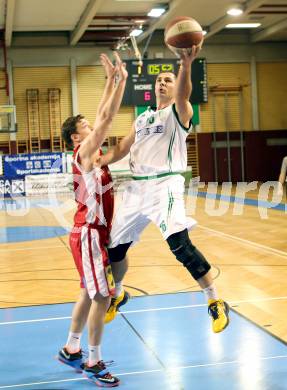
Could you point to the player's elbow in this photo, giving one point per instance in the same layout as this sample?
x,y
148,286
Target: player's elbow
x,y
105,119
107,114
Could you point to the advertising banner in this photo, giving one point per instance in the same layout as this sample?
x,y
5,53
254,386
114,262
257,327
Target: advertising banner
x,y
1,165
12,187
45,184
32,164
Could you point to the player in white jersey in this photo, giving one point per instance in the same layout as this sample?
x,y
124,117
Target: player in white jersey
x,y
160,144
157,157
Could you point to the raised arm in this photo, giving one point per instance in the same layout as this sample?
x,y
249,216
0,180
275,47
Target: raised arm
x,y
110,71
120,150
94,140
183,86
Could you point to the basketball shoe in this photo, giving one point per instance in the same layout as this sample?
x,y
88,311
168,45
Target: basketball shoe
x,y
218,311
74,360
99,375
116,303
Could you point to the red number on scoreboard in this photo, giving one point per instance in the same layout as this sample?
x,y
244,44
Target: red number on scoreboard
x,y
147,96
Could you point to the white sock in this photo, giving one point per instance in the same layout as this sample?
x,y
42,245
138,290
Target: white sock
x,y
210,292
74,342
94,355
119,289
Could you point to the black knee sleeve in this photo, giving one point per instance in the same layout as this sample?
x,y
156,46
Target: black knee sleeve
x,y
181,246
118,253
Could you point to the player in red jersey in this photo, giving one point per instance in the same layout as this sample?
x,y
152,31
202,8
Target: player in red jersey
x,y
92,224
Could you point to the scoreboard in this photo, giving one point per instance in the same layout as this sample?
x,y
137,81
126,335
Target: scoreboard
x,y
140,84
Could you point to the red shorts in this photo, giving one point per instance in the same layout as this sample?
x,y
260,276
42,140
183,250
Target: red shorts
x,y
88,246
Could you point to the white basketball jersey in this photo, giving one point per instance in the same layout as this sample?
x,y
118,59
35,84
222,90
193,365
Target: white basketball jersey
x,y
160,144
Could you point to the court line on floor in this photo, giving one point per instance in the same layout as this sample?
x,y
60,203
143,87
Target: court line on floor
x,y
153,371
54,246
147,310
31,248
245,241
265,204
213,231
256,245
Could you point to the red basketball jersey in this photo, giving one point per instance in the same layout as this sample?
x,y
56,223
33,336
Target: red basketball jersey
x,y
93,194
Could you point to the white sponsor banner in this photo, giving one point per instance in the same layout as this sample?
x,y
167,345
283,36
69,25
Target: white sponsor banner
x,y
53,183
69,162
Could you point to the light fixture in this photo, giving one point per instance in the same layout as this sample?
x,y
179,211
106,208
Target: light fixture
x,y
204,32
156,12
235,11
136,32
243,25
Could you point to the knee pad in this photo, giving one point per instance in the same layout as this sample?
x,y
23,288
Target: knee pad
x,y
118,253
181,246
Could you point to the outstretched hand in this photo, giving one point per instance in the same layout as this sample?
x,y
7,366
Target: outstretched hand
x,y
187,56
120,68
110,69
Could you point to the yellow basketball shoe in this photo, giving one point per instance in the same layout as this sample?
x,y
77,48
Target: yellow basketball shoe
x,y
116,303
218,311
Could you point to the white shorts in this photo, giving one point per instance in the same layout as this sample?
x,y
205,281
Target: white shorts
x,y
160,201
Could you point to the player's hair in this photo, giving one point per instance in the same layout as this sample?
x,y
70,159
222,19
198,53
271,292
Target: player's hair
x,y
175,76
69,127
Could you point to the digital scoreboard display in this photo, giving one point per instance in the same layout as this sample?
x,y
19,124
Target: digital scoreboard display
x,y
140,85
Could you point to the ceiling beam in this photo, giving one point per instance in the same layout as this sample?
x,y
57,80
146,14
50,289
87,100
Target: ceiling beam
x,y
173,10
10,10
215,27
86,18
267,32
108,26
122,17
98,35
269,12
273,6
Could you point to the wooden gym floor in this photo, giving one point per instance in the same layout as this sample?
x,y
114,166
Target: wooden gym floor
x,y
248,254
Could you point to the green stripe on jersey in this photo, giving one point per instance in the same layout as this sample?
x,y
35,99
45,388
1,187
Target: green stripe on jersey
x,y
170,204
186,129
155,176
169,153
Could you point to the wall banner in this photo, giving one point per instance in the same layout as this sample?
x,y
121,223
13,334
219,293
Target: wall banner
x,y
32,164
10,187
45,184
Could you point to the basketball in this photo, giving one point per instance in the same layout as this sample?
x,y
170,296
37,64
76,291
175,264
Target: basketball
x,y
183,32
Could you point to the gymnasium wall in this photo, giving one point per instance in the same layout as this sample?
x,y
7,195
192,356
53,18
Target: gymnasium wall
x,y
231,67
3,100
271,79
45,68
91,81
213,113
262,154
40,78
272,88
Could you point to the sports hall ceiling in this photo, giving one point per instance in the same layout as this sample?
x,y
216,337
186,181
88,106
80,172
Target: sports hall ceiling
x,y
108,22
